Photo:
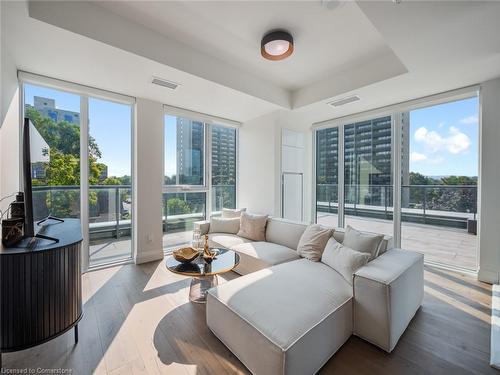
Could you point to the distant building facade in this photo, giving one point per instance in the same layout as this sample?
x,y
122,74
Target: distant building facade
x,y
367,161
190,152
47,108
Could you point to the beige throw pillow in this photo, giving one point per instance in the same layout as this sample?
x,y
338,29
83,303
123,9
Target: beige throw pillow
x,y
313,241
222,225
229,213
362,241
343,259
253,226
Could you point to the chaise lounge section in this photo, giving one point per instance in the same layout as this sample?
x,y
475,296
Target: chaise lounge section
x,y
289,315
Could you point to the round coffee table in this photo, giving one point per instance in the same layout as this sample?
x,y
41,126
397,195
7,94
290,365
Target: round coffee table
x,y
204,275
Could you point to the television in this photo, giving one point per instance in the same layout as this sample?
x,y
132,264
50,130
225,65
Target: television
x,y
29,223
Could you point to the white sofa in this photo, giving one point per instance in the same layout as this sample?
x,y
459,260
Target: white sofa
x,y
289,315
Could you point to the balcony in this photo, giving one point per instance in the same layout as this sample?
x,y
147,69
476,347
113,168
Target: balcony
x,y
436,220
110,216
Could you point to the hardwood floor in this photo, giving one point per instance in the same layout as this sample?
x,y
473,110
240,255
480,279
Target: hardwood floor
x,y
137,320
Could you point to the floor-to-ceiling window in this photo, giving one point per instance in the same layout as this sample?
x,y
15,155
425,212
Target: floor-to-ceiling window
x,y
327,169
199,174
439,171
436,182
223,168
55,169
79,129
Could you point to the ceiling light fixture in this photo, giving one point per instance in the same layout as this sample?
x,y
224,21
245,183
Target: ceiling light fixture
x,y
276,45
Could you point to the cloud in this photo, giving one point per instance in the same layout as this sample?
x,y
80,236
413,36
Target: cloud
x,y
455,142
470,120
416,156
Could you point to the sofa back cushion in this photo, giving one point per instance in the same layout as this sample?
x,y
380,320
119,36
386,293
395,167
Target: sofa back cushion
x,y
313,242
362,241
386,244
284,232
223,225
229,213
343,259
253,226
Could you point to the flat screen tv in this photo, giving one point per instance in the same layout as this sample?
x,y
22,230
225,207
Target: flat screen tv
x,y
29,223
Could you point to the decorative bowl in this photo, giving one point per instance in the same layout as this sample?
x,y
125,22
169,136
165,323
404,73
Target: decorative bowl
x,y
185,255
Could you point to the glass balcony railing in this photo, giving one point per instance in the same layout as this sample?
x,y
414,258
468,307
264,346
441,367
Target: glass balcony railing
x,y
440,205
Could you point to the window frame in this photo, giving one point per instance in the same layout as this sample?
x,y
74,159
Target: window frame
x,y
85,93
209,122
395,111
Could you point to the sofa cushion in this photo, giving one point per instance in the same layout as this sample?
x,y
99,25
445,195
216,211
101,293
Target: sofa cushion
x,y
362,241
343,259
288,318
284,232
313,242
226,240
224,225
253,226
255,256
230,213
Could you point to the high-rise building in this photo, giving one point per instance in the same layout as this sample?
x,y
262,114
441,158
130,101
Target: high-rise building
x,y
47,108
223,156
190,152
367,161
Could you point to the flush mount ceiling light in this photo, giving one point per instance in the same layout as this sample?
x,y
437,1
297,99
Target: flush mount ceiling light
x,y
276,45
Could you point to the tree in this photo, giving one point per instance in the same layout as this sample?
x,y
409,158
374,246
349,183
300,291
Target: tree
x,y
176,206
63,168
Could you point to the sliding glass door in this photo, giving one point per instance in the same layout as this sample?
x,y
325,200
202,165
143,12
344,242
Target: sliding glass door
x,y
434,186
79,132
368,175
110,179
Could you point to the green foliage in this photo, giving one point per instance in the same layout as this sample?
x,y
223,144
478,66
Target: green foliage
x,y
176,206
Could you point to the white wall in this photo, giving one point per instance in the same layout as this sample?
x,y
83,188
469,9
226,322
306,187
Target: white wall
x,y
257,166
9,120
489,210
148,169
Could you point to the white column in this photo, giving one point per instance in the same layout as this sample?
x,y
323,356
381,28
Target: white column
x,y
148,181
489,182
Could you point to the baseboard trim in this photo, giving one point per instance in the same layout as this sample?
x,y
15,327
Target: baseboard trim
x,y
490,277
148,256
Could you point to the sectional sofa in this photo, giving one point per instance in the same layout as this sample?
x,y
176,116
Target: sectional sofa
x,y
289,315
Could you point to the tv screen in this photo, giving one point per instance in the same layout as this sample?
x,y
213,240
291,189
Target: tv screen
x,y
29,228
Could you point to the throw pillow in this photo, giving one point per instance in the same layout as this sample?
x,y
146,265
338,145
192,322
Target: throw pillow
x,y
231,213
253,226
343,259
362,241
222,225
313,242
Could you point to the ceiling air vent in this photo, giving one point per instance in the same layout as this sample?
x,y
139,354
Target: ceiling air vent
x,y
343,101
163,82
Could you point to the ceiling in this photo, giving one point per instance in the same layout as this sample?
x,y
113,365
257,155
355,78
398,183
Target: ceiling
x,y
382,51
327,39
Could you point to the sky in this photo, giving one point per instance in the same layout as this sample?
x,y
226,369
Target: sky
x,y
109,124
444,139
170,140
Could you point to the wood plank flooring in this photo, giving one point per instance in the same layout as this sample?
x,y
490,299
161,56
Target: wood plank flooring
x,y
138,320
